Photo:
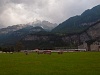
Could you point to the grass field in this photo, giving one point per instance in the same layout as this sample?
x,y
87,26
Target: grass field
x,y
78,63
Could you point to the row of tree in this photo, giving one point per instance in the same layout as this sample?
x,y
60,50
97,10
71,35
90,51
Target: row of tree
x,y
17,48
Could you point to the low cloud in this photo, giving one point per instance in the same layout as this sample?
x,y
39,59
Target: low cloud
x,y
23,11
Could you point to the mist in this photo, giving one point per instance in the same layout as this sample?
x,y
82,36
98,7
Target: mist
x,y
14,12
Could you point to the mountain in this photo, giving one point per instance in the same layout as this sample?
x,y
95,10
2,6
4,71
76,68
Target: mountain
x,y
44,24
12,28
78,23
11,37
12,34
47,40
78,29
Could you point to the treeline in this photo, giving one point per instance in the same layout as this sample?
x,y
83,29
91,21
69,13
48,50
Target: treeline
x,y
51,43
7,49
14,48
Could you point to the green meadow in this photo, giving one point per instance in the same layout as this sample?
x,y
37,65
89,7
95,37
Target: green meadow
x,y
74,63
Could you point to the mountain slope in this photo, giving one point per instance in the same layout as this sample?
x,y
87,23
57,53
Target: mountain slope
x,y
12,34
80,22
13,28
12,37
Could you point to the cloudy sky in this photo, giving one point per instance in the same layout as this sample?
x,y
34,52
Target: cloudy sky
x,y
56,11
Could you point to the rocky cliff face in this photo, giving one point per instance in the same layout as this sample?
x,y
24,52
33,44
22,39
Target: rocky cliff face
x,y
90,33
93,32
36,38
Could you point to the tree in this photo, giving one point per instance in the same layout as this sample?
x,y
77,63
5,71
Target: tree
x,y
0,49
89,42
19,46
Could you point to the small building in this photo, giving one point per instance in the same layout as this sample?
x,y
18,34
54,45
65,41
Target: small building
x,y
94,46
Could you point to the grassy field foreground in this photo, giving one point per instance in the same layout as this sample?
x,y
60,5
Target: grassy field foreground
x,y
78,63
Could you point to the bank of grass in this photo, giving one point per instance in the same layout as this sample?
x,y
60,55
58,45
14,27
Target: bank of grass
x,y
76,63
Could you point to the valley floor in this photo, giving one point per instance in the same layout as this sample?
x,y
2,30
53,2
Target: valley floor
x,y
71,63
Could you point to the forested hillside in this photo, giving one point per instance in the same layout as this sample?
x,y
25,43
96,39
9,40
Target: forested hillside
x,y
80,22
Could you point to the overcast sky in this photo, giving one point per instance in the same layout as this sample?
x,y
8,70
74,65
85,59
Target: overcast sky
x,y
56,11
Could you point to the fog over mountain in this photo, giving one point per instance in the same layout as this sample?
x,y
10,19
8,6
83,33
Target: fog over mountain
x,y
56,11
